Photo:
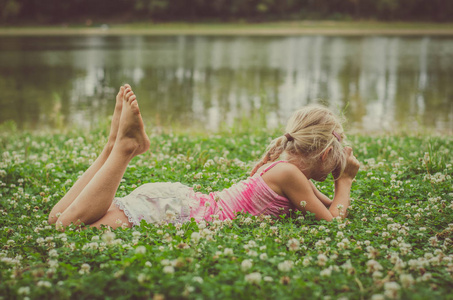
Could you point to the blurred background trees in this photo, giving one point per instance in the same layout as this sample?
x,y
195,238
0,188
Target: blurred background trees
x,y
57,11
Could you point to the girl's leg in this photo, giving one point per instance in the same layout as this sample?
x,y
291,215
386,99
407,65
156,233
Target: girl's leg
x,y
114,217
95,199
80,184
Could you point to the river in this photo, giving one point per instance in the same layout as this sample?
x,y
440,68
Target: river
x,y
378,82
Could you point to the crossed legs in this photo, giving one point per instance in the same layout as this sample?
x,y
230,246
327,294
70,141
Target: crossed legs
x,y
89,201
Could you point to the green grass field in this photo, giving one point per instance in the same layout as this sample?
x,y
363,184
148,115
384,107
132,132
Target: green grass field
x,y
238,28
395,244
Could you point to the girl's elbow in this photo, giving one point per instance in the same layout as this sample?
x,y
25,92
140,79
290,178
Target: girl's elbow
x,y
327,218
335,214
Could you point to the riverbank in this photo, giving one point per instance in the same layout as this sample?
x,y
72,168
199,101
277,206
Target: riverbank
x,y
235,29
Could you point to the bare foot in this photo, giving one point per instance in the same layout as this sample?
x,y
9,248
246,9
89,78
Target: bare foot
x,y
132,137
116,117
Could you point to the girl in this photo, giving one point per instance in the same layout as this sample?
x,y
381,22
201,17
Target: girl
x,y
312,148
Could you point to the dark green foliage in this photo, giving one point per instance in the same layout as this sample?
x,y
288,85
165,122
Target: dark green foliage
x,y
225,10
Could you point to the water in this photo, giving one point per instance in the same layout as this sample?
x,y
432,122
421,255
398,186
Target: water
x,y
209,82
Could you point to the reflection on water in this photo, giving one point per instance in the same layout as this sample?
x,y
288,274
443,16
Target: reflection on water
x,y
212,81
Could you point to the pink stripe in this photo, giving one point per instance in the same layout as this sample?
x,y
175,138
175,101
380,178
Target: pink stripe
x,y
272,165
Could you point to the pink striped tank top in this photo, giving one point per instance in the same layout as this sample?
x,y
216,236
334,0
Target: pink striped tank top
x,y
251,195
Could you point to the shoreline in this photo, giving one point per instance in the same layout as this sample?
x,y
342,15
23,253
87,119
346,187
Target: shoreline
x,y
239,29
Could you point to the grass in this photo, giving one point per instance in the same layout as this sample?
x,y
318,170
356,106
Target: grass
x,y
241,28
396,242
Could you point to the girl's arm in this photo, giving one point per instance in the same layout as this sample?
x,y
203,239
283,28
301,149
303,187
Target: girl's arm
x,y
343,185
324,199
299,190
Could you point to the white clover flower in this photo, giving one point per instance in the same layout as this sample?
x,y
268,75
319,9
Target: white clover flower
x,y
326,272
373,265
303,203
254,277
53,253
293,245
263,256
285,266
24,290
50,166
347,266
108,237
141,278
246,265
44,284
169,270
247,220
53,263
306,262
433,241
228,251
378,297
322,259
341,245
377,275
195,237
391,289
427,276
171,215
407,280
84,269
140,250
206,232
198,279
167,262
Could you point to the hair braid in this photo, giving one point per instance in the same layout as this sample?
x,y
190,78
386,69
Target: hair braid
x,y
273,152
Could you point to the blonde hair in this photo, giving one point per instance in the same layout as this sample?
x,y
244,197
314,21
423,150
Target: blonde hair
x,y
312,130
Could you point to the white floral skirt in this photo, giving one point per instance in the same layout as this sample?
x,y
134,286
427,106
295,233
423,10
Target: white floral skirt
x,y
158,203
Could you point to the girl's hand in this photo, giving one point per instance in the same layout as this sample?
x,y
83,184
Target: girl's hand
x,y
352,165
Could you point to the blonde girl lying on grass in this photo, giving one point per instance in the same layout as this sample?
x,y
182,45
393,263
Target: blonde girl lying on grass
x,y
312,149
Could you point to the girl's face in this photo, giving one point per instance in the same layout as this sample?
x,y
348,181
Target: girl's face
x,y
322,170
320,173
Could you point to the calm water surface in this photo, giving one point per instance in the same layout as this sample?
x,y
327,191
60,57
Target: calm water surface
x,y
209,82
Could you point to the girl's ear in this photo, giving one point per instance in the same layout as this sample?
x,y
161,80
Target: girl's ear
x,y
326,153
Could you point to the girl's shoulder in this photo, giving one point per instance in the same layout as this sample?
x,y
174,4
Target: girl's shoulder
x,y
279,168
279,176
287,171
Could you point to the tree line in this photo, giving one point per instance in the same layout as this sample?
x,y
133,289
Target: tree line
x,y
57,11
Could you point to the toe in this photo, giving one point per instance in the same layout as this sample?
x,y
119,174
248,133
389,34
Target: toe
x,y
129,96
134,107
119,96
125,93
